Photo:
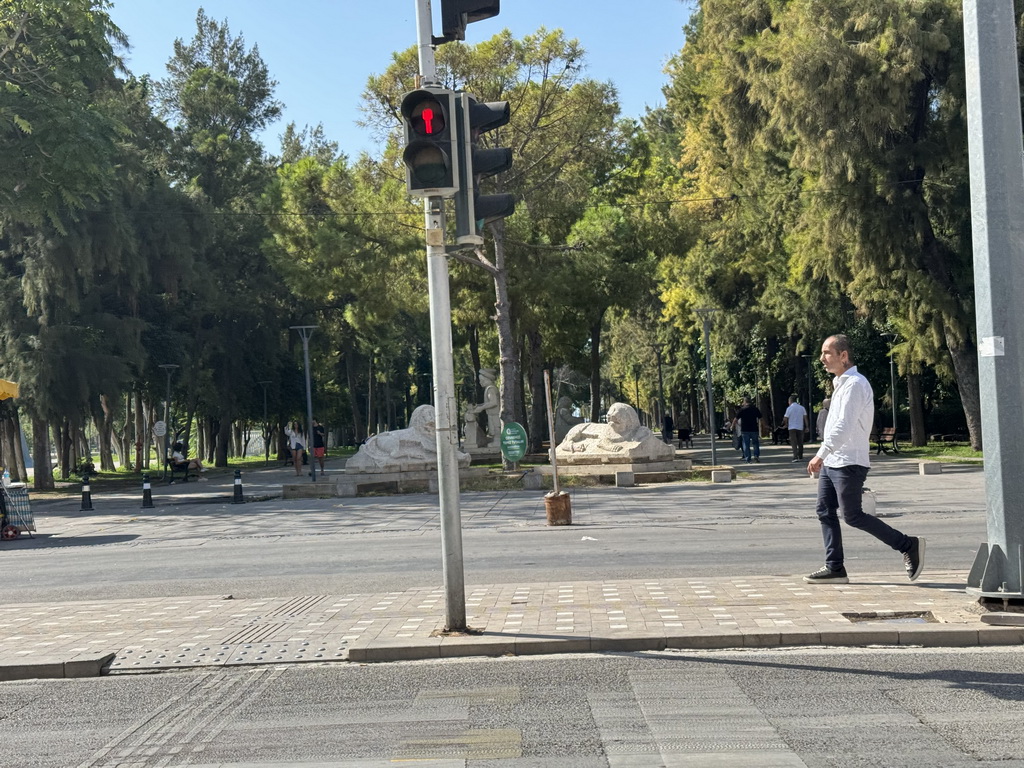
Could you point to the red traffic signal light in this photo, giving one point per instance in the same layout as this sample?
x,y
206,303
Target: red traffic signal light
x,y
431,151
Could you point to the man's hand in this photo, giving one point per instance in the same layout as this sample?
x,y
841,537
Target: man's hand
x,y
814,465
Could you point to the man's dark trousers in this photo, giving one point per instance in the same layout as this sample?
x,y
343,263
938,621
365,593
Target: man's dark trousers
x,y
841,488
796,442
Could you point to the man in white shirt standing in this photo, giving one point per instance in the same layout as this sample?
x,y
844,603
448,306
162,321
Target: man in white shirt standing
x,y
843,462
793,420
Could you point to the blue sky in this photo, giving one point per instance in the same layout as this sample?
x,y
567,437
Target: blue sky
x,y
322,51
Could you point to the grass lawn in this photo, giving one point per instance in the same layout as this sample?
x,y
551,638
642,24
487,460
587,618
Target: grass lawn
x,y
949,452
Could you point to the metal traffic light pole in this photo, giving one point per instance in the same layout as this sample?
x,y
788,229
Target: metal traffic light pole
x,y
446,413
997,191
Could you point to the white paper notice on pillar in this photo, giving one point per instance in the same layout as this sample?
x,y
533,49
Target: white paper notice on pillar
x,y
991,346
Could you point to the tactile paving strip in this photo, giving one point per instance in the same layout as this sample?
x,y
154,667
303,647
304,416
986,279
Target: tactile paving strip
x,y
186,656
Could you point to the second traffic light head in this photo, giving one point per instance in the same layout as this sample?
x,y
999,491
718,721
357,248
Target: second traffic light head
x,y
473,210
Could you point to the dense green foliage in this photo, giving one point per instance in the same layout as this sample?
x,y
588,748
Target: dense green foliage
x,y
807,176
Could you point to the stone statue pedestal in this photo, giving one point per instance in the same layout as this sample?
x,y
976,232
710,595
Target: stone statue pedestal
x,y
623,440
477,442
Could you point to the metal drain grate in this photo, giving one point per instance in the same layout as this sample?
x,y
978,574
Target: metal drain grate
x,y
892,617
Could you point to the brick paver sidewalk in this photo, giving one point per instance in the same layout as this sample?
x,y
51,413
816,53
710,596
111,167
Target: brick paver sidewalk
x,y
72,639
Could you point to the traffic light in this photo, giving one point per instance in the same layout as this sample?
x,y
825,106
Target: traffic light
x,y
473,210
431,145
456,14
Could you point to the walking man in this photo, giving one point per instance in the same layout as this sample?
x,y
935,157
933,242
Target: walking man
x,y
749,417
843,463
793,420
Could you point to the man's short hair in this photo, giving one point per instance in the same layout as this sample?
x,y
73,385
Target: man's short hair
x,y
793,398
841,343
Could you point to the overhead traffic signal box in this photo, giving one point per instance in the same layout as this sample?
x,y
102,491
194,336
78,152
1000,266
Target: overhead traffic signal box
x,y
456,14
431,145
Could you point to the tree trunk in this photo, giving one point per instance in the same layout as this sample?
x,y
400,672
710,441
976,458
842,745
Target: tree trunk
x,y
63,444
141,454
595,369
124,450
918,436
223,438
19,455
7,449
511,377
474,355
42,472
105,430
186,435
965,363
538,410
149,419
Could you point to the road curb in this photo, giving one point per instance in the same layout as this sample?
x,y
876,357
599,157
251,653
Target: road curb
x,y
84,665
931,636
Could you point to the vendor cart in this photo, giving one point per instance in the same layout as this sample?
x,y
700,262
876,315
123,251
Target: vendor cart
x,y
15,511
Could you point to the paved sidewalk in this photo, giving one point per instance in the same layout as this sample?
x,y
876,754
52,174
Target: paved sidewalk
x,y
77,639
68,639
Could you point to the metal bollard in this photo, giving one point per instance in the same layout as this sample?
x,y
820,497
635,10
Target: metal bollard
x,y
147,493
86,494
238,488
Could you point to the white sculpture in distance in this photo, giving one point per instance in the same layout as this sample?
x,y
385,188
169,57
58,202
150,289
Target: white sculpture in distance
x,y
475,438
564,418
403,450
623,440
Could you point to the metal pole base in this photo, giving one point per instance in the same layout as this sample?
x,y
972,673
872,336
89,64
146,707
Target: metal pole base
x,y
990,576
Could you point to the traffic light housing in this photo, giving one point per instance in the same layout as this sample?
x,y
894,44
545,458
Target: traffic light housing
x,y
473,210
431,153
456,14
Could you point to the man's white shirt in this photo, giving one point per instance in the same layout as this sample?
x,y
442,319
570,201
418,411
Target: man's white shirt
x,y
795,415
847,438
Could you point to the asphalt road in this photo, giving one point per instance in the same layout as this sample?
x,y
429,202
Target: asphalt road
x,y
762,524
782,709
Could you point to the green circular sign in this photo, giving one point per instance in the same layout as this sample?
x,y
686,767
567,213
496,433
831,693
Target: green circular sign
x,y
513,442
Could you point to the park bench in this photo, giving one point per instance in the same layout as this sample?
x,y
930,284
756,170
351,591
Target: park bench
x,y
176,471
886,437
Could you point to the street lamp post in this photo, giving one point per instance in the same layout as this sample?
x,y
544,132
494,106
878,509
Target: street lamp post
x,y
168,369
705,316
305,331
266,426
810,397
891,338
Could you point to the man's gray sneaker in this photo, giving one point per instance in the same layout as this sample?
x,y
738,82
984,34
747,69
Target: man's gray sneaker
x,y
826,575
913,559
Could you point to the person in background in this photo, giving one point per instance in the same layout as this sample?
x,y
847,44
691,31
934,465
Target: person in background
x,y
319,443
793,420
843,461
822,418
297,444
748,419
180,462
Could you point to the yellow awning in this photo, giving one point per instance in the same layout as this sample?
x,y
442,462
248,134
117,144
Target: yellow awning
x,y
8,389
